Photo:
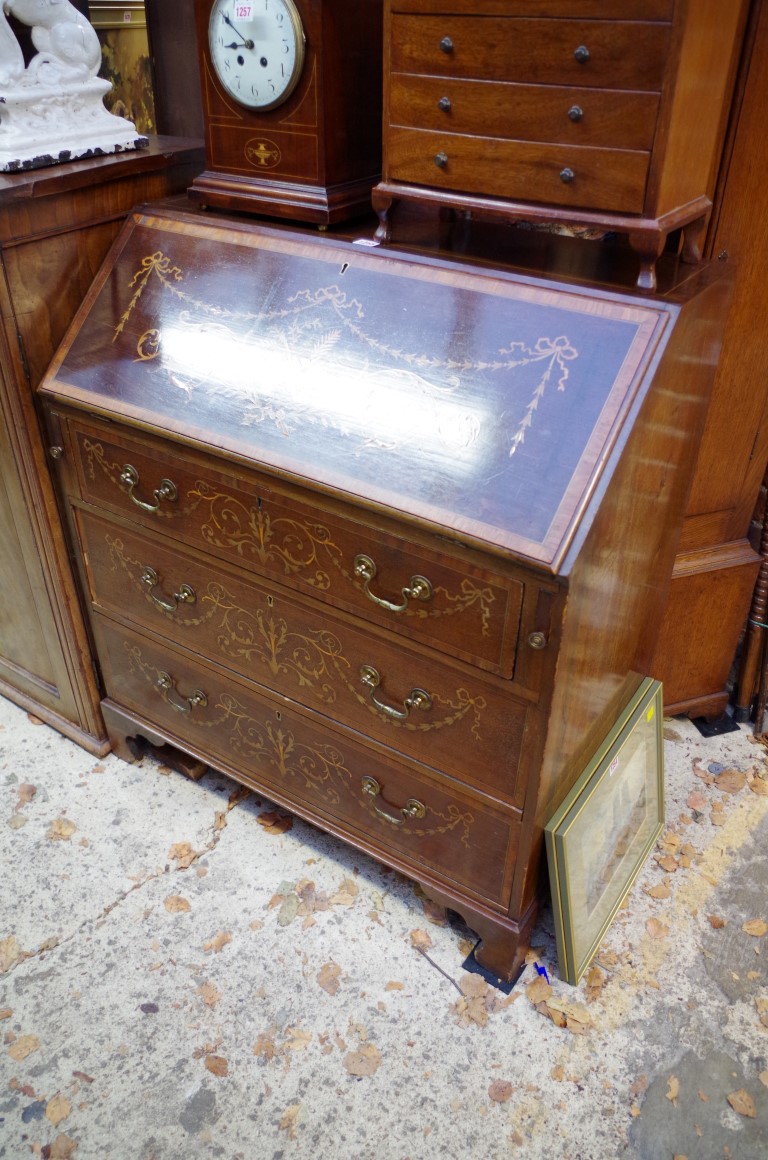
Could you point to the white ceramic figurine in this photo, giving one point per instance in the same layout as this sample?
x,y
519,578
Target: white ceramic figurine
x,y
66,43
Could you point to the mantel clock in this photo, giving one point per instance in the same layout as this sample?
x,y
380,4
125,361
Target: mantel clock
x,y
292,106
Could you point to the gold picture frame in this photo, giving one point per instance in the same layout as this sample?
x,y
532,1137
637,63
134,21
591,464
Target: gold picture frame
x,y
601,835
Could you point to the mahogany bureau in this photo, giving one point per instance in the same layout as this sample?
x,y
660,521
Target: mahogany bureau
x,y
602,116
383,536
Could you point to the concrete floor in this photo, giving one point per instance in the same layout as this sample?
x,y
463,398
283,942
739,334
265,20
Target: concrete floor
x,y
182,976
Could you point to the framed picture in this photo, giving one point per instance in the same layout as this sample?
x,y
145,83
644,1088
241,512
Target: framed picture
x,y
601,835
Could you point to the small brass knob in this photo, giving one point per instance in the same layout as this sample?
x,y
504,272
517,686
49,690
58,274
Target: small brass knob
x,y
446,44
537,640
55,452
441,160
445,104
566,176
575,112
582,54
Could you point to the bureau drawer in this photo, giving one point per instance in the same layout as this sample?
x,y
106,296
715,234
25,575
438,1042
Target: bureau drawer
x,y
444,717
390,808
595,117
449,604
519,170
609,54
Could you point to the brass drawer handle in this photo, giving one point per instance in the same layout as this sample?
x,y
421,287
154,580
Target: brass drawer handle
x,y
197,700
412,809
441,160
582,54
416,699
166,491
575,113
185,595
418,588
446,44
567,175
445,104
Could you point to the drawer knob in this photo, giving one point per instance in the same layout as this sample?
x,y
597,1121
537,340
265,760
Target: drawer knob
x,y
537,640
575,112
55,452
445,104
413,808
582,54
566,176
167,685
166,491
418,587
185,595
446,44
416,699
441,160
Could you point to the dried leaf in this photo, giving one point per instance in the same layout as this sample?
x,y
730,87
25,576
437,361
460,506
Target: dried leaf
x,y
23,1047
289,909
696,800
473,986
757,784
730,781
420,940
289,1119
394,986
595,983
329,978
217,1064
500,1091
763,1077
61,1148
275,821
756,927
182,854
366,1061
673,1089
175,904
210,994
7,1012
57,1109
539,990
81,1075
265,1045
656,928
25,794
61,830
742,1102
661,890
716,921
668,863
296,1039
218,942
18,821
10,953
346,894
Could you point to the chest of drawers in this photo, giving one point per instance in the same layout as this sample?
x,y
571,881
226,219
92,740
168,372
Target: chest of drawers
x,y
600,117
383,537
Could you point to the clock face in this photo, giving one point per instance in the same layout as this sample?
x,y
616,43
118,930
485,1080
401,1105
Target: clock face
x,y
257,49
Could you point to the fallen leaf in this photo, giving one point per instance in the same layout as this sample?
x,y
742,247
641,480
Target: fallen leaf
x,y
209,993
661,890
696,800
420,940
539,990
500,1091
61,830
275,821
81,1075
673,1089
10,953
656,928
364,1062
217,1064
25,794
668,863
703,1097
757,784
763,1077
175,904
394,986
296,1039
595,983
7,1012
329,978
23,1047
182,854
679,1156
57,1109
716,921
756,927
730,781
61,1148
289,909
742,1102
289,1119
717,817
473,986
346,894
18,821
218,942
265,1045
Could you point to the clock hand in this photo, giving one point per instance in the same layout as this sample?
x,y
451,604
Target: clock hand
x,y
245,44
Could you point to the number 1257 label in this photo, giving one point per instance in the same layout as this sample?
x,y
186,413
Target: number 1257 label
x,y
243,11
